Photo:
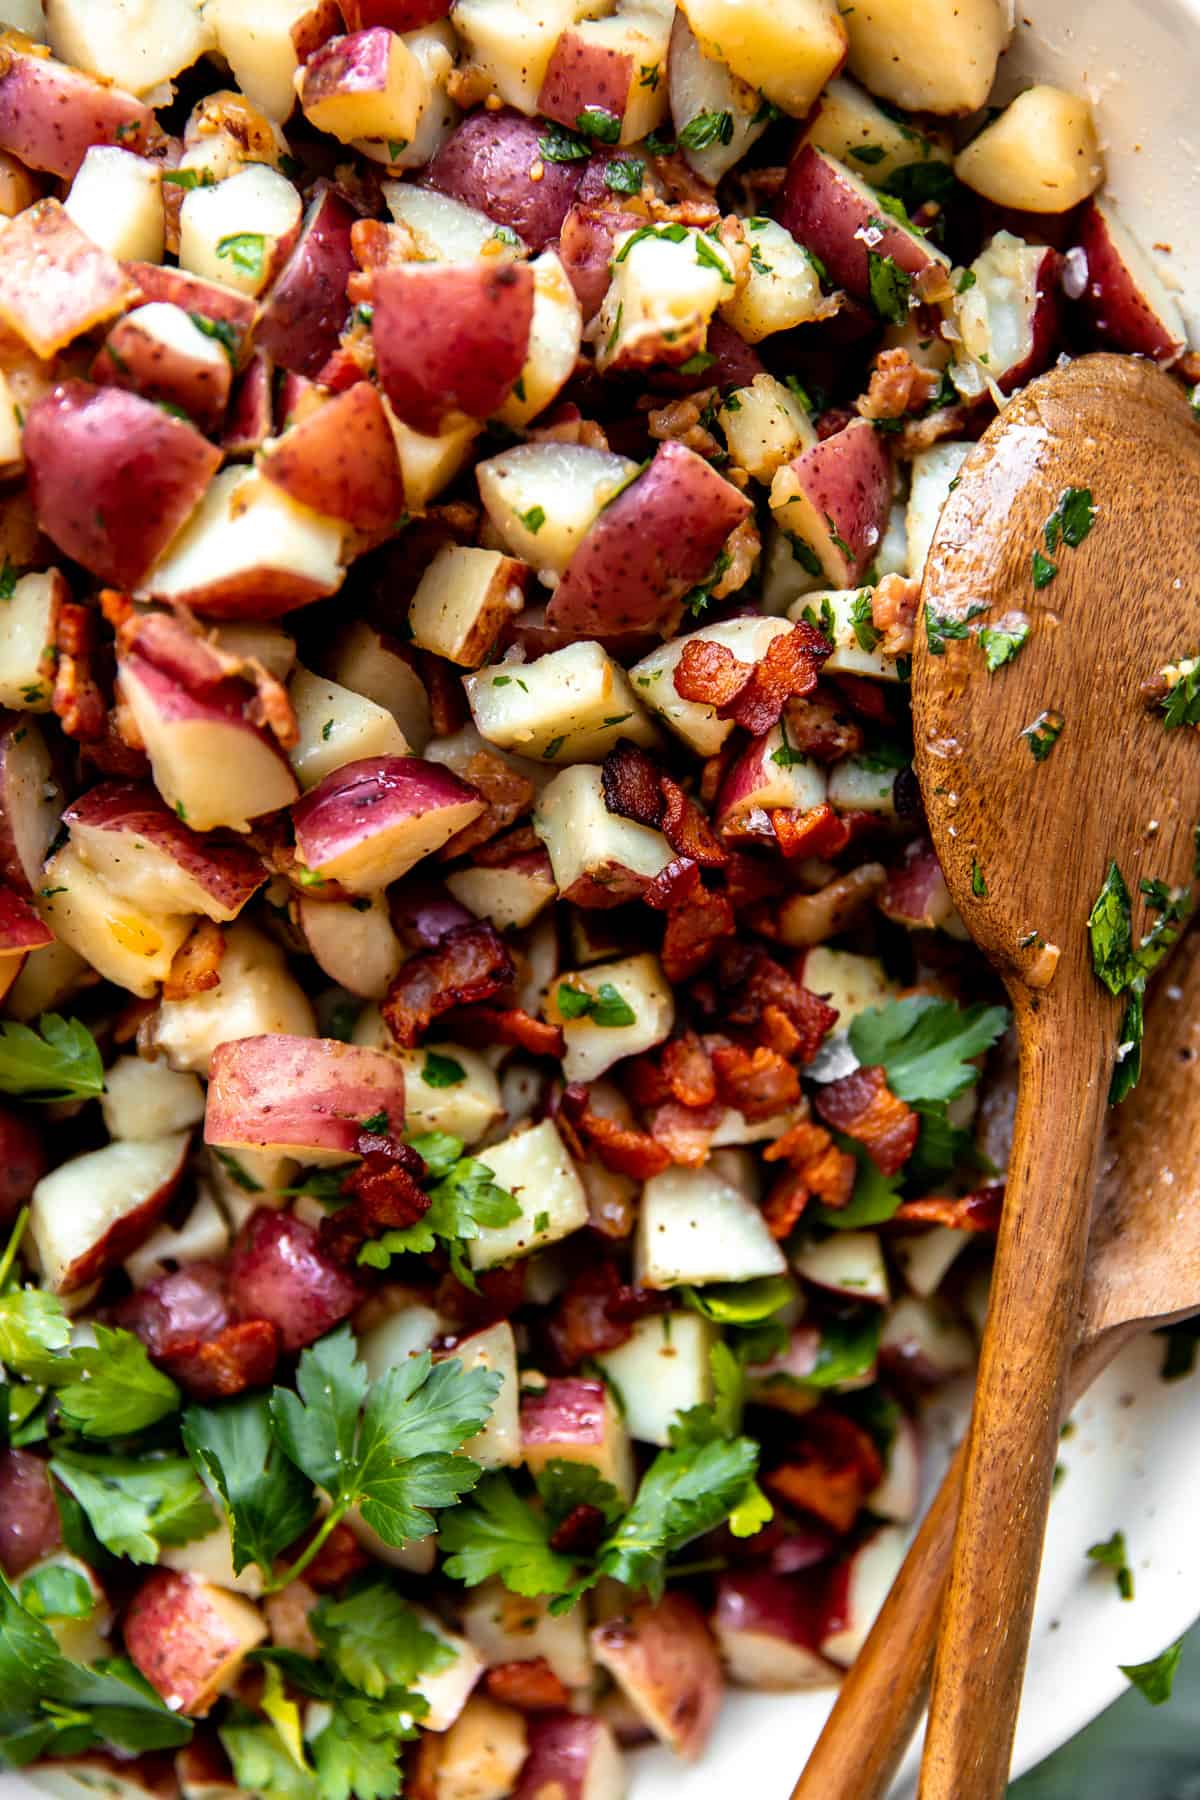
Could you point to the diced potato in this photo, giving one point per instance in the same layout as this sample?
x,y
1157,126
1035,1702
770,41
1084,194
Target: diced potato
x,y
850,611
337,727
122,942
542,497
588,843
466,1105
364,659
663,292
788,49
117,199
498,1445
700,85
257,993
693,721
365,85
933,470
211,1558
512,42
510,898
555,334
149,1099
12,450
237,231
634,985
428,464
662,1370
353,941
508,1627
851,983
445,229
928,55
567,706
1041,155
849,125
695,1227
84,1638
483,1752
782,288
462,601
533,1166
135,44
765,426
264,44
204,1236
854,786
27,642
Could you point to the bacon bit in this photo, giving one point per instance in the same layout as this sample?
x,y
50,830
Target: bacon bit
x,y
679,421
683,1071
818,726
116,607
509,1025
470,964
743,547
687,830
570,427
508,794
863,1106
632,784
830,1469
385,1195
499,1293
898,385
817,1170
595,1313
271,708
979,1212
691,201
922,434
709,673
685,1133
582,1531
750,879
623,1149
523,840
77,700
694,932
531,1686
196,965
447,702
756,1083
819,832
804,920
797,1144
749,981
785,1204
833,420
340,1557
894,606
830,1176
777,1032
866,697
375,245
790,666
240,1356
673,886
916,895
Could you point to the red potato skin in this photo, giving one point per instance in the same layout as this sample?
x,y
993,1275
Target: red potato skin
x,y
357,63
486,163
665,1652
916,894
250,420
822,209
315,1092
55,283
20,927
176,1640
585,248
306,307
1045,327
657,539
124,1235
13,870
336,814
229,872
567,1410
1119,313
450,339
278,1272
23,1162
29,1522
224,306
582,75
51,114
397,15
342,461
779,1605
132,358
113,477
848,479
561,1747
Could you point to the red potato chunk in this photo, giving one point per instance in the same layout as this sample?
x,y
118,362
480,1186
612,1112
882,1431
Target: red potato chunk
x,y
657,539
20,927
300,1096
365,85
55,284
1009,318
30,798
838,217
571,1758
23,1162
51,115
1126,301
163,355
341,461
306,308
488,163
665,1661
450,340
140,847
768,1627
113,477
250,419
397,15
278,1272
368,822
29,1523
93,1211
836,497
189,1638
583,75
192,294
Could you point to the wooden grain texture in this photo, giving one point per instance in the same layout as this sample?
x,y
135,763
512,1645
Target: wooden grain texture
x,y
1143,1269
1024,845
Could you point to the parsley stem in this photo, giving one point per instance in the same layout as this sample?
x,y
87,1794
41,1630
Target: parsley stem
x,y
18,1232
708,1565
333,1517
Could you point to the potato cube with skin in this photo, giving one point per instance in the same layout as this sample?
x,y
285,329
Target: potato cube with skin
x,y
665,1660
257,993
788,49
483,1752
364,659
534,1167
27,643
117,199
427,464
849,125
300,1096
189,1638
960,43
608,1011
92,1211
265,44
435,47
570,705
850,983
84,1638
352,941
663,292
445,229
148,1099
498,1445
598,858
404,1333
575,1420
507,1627
122,941
781,289
765,426
464,598
136,44
365,85
695,1227
1041,154
336,727
513,44
446,1086
661,1370
447,1690
696,723
204,1236
541,498
850,612
55,283
511,896
159,351
555,334
240,230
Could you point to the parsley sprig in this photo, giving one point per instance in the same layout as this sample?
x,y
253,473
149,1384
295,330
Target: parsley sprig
x,y
1124,968
464,1199
62,1063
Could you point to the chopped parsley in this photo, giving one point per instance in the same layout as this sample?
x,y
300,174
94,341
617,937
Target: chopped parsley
x,y
58,1061
938,628
1001,643
598,123
607,1007
870,154
625,174
1112,1555
1181,705
979,885
559,145
220,330
707,256
1043,734
706,129
966,281
1043,569
889,287
441,1071
865,633
1155,1679
806,556
247,251
696,365
1067,526
534,519
822,621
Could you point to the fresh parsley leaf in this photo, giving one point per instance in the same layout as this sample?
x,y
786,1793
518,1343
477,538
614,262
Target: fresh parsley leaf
x,y
741,1302
1127,1067
979,886
598,123
1181,704
921,184
246,251
1043,570
1071,519
466,1199
707,256
220,330
265,1498
57,1591
33,1325
938,628
684,1493
534,519
1000,645
63,1063
135,1505
848,1350
498,1534
375,1641
860,619
966,281
1110,929
1111,1554
1155,1678
925,1045
941,1146
659,145
705,129
262,1762
625,175
115,1389
356,1753
889,287
563,1485
870,154
441,1071
8,580
875,1198
1043,734
557,144
607,1007
810,562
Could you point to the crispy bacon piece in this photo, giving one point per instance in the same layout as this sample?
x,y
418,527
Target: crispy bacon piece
x,y
77,701
622,1148
498,1294
470,964
755,1082
817,1170
687,830
784,1205
595,1313
481,1025
241,1356
818,724
631,784
680,1070
864,1107
582,1531
681,420
709,673
868,699
979,1212
522,840
818,832
894,606
196,965
530,1686
898,385
508,794
790,667
749,879
384,1192
685,1132
830,1469
673,886
749,982
694,931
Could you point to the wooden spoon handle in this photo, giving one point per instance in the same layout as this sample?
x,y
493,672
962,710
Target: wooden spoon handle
x,y
1013,1437
882,1695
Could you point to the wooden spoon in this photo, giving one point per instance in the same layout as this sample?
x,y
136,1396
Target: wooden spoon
x,y
1143,1270
1076,513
